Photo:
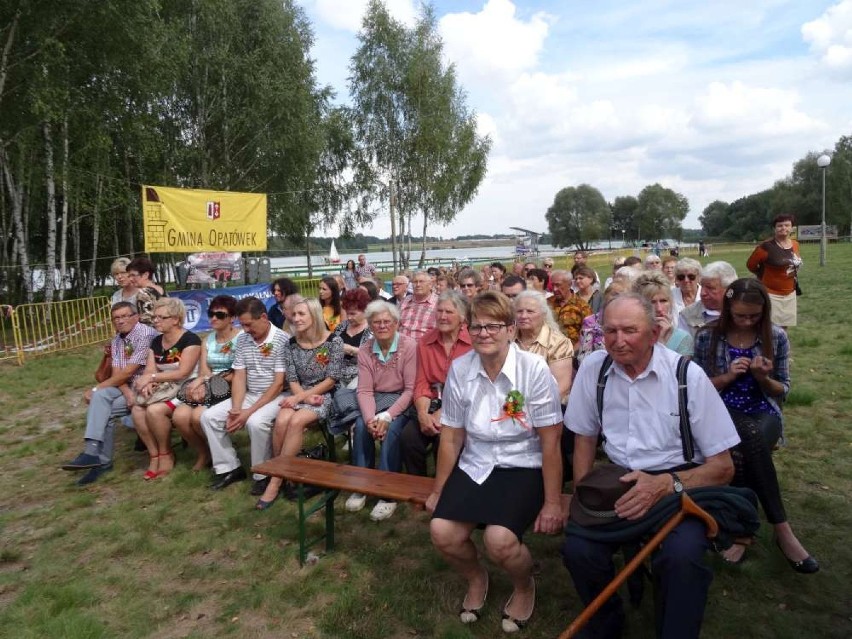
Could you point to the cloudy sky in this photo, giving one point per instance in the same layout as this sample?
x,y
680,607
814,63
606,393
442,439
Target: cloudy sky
x,y
715,100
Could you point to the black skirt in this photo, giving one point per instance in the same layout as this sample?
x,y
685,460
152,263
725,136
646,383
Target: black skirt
x,y
510,497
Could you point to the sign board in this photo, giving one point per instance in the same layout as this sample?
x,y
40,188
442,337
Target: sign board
x,y
197,302
193,220
814,232
210,268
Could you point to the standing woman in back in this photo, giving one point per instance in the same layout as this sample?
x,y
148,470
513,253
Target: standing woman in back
x,y
329,299
776,263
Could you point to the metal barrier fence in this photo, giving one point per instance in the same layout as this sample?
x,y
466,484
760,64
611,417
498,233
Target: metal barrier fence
x,y
37,329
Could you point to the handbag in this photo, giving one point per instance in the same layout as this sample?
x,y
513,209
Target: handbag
x,y
216,389
163,392
798,288
320,451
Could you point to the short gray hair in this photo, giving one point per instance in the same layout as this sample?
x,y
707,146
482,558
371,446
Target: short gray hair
x,y
722,271
380,306
688,265
647,309
544,307
561,274
468,273
459,303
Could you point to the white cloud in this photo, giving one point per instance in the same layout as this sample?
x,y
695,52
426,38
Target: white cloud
x,y
346,15
830,36
494,40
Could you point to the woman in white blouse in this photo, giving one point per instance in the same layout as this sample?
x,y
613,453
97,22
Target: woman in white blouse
x,y
499,467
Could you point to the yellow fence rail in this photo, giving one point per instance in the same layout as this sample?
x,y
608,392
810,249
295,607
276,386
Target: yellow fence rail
x,y
38,329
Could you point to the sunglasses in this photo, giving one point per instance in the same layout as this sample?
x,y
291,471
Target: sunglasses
x,y
686,276
220,315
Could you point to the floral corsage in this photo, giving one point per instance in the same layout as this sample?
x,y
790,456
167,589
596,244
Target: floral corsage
x,y
513,408
128,349
227,347
173,355
322,356
265,349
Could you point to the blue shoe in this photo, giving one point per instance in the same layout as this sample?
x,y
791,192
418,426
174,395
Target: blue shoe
x,y
94,475
83,461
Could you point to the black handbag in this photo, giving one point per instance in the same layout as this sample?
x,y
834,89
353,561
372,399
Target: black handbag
x,y
216,389
798,288
320,451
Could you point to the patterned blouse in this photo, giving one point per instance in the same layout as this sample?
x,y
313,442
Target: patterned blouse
x,y
310,366
569,315
717,363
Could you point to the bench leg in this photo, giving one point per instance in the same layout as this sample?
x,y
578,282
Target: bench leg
x,y
325,500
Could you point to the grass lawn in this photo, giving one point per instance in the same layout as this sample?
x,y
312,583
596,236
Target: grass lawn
x,y
169,558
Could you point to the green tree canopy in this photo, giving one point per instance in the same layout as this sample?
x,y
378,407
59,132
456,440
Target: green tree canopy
x,y
660,212
578,216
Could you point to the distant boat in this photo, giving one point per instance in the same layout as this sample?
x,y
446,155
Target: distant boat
x,y
333,255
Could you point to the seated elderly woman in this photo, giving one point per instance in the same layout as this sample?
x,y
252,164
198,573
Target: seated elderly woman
x,y
591,330
171,359
499,464
655,287
715,278
436,350
313,361
538,333
746,358
585,285
687,275
469,282
217,354
354,332
387,365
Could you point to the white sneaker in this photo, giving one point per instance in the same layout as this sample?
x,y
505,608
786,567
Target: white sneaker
x,y
383,510
355,502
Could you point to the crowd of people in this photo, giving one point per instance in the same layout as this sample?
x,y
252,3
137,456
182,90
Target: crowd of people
x,y
506,383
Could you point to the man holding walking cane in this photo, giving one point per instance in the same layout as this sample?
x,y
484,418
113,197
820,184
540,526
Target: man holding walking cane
x,y
629,394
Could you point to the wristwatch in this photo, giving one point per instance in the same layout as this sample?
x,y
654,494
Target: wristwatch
x,y
94,389
677,484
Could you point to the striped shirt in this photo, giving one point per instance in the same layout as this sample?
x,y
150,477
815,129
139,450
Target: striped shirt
x,y
261,360
132,348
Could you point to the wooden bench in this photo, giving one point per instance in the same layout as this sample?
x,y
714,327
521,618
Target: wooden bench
x,y
334,478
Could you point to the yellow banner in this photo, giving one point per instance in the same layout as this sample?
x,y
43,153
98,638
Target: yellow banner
x,y
192,220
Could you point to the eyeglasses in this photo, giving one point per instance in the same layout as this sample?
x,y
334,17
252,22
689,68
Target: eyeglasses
x,y
161,317
121,318
468,285
548,266
491,329
382,322
684,276
218,314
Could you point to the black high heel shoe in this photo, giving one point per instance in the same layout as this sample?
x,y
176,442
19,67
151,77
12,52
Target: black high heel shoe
x,y
807,566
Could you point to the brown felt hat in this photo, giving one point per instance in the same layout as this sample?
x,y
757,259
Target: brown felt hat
x,y
593,503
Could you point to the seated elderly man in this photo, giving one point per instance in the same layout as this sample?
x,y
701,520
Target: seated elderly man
x,y
417,311
568,309
123,361
637,416
715,278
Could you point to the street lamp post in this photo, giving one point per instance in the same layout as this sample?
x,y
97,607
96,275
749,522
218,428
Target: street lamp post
x,y
822,162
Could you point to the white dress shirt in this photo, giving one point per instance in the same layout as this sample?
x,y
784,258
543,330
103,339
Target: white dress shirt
x,y
641,419
472,401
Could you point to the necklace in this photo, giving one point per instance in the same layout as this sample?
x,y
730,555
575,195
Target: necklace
x,y
789,244
738,340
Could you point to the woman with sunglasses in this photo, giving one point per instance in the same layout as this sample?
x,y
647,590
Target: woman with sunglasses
x,y
746,358
687,286
499,461
171,358
217,354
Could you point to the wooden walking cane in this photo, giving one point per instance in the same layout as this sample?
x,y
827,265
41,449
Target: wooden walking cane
x,y
687,507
